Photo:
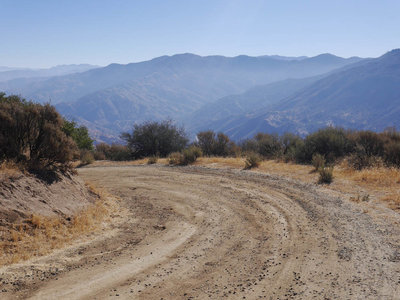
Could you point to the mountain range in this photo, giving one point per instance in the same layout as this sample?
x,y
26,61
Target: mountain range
x,y
365,95
111,99
8,73
239,95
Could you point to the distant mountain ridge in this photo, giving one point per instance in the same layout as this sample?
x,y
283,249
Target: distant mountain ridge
x,y
365,96
7,73
116,96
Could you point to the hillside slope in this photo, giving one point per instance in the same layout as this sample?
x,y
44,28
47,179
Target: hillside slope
x,y
253,99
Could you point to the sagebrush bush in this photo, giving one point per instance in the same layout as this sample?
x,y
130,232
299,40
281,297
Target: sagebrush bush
x,y
325,175
253,160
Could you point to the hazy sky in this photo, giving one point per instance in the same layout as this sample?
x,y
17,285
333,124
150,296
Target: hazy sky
x,y
43,33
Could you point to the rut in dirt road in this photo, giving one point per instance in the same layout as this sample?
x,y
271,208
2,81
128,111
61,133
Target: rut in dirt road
x,y
197,233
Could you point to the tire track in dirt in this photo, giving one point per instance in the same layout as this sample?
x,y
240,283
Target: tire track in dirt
x,y
203,233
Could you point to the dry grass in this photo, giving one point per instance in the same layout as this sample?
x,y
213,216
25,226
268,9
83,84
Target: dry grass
x,y
377,177
39,235
221,162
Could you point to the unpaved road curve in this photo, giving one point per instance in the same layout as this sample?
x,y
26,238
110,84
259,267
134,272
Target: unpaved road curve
x,y
233,234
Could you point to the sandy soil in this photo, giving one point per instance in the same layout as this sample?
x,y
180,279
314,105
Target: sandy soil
x,y
200,233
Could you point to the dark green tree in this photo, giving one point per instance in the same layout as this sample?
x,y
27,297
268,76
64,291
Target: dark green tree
x,y
79,134
155,138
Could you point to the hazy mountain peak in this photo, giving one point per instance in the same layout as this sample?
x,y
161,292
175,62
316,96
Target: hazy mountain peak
x,y
395,53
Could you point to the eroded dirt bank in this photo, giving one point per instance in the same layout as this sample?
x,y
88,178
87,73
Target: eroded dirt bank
x,y
194,232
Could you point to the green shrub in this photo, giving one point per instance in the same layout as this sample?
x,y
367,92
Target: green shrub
x,y
155,138
325,175
368,143
253,160
249,145
214,144
332,143
318,161
392,153
269,145
152,160
115,152
190,155
99,155
79,134
196,151
291,147
360,160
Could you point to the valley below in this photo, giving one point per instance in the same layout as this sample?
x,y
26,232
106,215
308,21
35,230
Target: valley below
x,y
210,233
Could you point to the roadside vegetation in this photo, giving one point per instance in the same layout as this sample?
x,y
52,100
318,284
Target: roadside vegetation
x,y
35,138
36,142
323,149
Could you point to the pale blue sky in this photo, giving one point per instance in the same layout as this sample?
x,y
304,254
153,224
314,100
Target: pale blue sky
x,y
43,33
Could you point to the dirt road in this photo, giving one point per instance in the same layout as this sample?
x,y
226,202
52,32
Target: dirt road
x,y
198,233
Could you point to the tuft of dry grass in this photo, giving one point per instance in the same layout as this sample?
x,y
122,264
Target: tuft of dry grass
x,y
39,235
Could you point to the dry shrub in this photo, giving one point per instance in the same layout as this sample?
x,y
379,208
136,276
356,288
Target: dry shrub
x,y
186,157
253,160
174,158
325,175
152,160
87,157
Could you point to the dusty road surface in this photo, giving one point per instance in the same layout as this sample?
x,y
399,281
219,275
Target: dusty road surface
x,y
198,233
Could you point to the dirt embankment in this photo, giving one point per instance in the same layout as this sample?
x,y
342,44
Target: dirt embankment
x,y
201,233
22,195
38,216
